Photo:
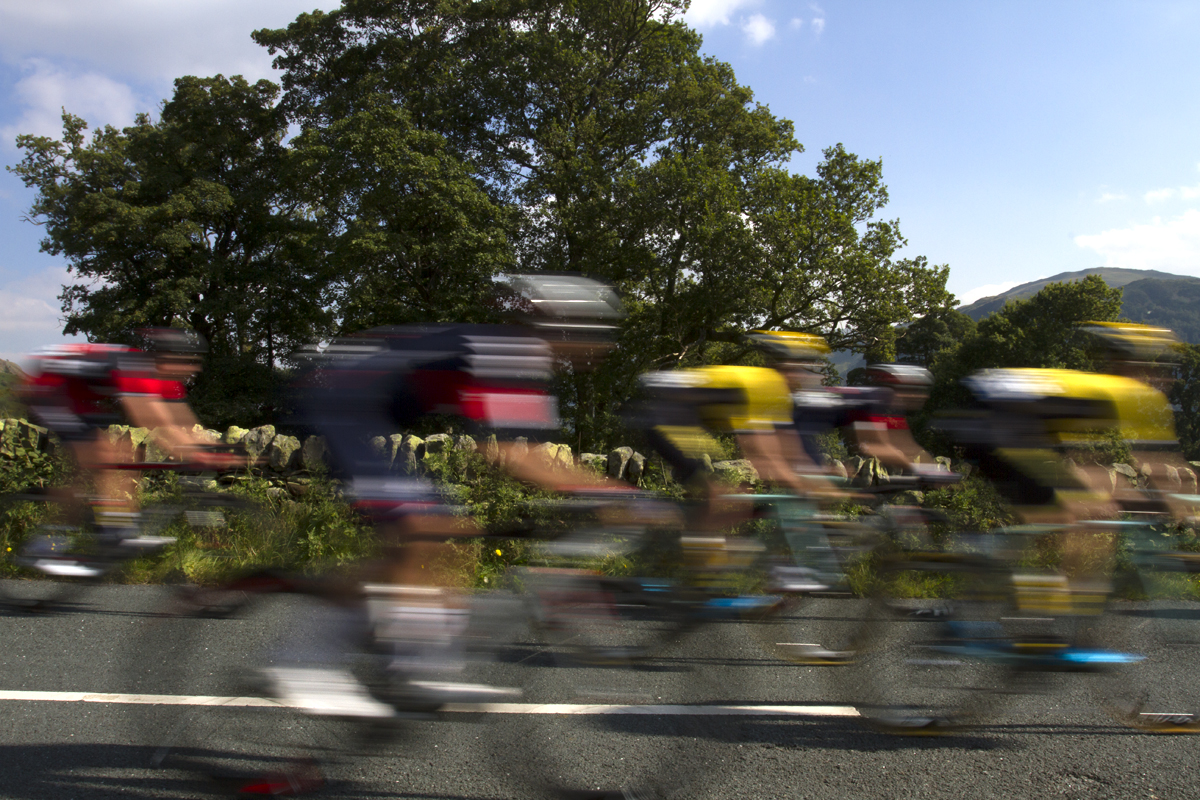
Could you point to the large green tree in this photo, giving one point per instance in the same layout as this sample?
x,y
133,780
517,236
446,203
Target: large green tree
x,y
1185,396
615,149
1041,332
189,220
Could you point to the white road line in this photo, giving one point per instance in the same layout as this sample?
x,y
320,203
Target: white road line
x,y
473,708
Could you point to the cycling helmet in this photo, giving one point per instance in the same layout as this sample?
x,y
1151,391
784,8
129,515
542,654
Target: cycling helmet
x,y
1131,342
897,376
790,345
173,341
563,305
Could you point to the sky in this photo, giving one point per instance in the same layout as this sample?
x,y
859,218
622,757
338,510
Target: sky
x,y
1018,139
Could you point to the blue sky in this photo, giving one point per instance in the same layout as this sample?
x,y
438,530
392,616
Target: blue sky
x,y
1018,139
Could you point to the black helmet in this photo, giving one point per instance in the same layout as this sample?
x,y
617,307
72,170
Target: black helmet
x,y
174,341
898,376
565,305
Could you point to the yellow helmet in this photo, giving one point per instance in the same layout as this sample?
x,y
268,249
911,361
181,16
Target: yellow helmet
x,y
791,345
1134,342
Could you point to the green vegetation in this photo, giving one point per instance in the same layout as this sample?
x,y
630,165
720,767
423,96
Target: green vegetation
x,y
441,143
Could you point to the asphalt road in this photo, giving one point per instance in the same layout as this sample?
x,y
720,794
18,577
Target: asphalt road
x,y
70,726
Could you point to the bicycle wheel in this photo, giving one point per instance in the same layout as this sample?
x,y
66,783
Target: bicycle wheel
x,y
813,618
605,618
36,531
1160,635
657,727
216,722
925,666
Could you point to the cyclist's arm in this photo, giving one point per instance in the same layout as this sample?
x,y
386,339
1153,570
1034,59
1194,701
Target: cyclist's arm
x,y
766,452
172,420
531,467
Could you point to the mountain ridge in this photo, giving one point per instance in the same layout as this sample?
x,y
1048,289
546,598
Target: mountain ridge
x,y
1150,296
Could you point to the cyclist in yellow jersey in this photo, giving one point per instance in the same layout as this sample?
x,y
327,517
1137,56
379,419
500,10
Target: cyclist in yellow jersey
x,y
1027,418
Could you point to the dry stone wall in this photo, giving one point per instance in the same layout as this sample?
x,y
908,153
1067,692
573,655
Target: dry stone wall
x,y
287,459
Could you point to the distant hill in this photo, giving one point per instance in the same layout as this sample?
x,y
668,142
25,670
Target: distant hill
x,y
1157,298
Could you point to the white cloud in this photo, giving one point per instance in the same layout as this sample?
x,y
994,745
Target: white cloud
x,y
796,23
989,290
758,29
1111,197
706,13
31,318
44,90
1171,245
1159,195
818,20
151,40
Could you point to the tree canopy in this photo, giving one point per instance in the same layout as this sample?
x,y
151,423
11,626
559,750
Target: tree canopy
x,y
440,143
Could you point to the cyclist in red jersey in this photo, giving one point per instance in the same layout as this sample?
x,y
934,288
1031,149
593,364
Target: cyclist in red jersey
x,y
490,379
78,390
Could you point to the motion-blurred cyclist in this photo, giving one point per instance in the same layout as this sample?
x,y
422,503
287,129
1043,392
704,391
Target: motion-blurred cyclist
x,y
492,379
78,390
1023,421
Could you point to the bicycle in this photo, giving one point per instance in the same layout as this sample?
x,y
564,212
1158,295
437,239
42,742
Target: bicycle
x,y
48,542
246,736
948,633
1161,624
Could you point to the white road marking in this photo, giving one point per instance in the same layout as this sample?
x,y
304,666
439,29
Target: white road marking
x,y
473,708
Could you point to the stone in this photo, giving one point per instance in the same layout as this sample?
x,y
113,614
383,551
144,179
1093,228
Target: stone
x,y
283,453
1112,478
205,435
594,461
491,448
707,461
118,436
1188,478
636,469
858,471
736,471
837,468
297,488
380,446
153,451
879,473
20,435
910,497
437,443
618,460
466,444
943,463
234,435
256,440
409,454
557,456
854,465
1173,478
313,454
1126,470
564,457
519,448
